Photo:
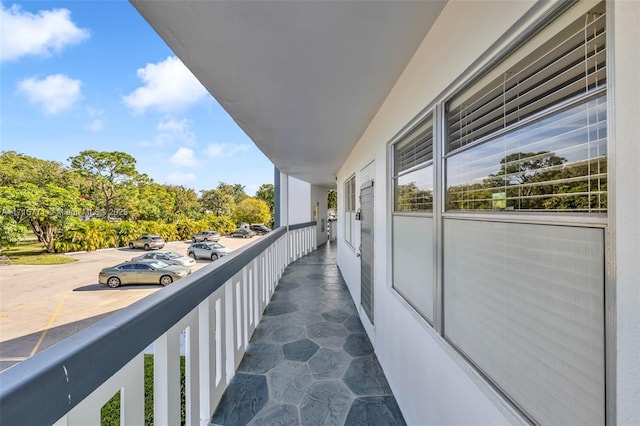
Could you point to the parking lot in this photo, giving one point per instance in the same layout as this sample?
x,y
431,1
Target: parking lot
x,y
41,305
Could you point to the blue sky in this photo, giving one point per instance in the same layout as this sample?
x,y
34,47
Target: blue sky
x,y
78,75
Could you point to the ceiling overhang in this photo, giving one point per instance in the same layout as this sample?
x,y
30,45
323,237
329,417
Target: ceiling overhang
x,y
303,79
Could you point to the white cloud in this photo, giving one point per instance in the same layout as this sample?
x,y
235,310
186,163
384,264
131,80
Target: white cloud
x,y
178,131
53,94
24,33
225,149
183,157
178,178
95,126
168,87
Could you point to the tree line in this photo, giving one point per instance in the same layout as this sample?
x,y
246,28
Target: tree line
x,y
101,200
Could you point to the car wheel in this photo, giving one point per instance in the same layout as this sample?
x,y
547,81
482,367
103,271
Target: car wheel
x,y
165,280
130,245
214,256
146,247
193,239
113,282
192,255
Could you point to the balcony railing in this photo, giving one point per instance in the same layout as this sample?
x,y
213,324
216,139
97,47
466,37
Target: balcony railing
x,y
217,310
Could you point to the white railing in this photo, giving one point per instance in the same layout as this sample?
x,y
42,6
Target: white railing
x,y
216,309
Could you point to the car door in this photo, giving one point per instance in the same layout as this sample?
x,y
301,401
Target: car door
x,y
127,274
144,274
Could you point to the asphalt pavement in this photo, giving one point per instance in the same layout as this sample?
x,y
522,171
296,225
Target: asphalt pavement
x,y
43,304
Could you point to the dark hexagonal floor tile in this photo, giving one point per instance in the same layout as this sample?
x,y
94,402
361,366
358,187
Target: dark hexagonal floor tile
x,y
287,333
245,396
375,411
326,403
280,308
289,381
276,414
329,364
260,358
357,345
335,315
326,329
287,285
354,324
300,350
365,377
315,277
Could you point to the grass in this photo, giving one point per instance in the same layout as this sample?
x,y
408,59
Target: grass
x,y
32,252
110,412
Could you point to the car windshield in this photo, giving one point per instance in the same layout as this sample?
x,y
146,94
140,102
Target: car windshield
x,y
216,245
158,264
173,255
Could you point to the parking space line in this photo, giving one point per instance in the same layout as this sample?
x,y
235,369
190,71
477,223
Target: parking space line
x,y
49,324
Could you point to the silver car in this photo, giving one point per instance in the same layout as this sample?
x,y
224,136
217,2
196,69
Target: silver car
x,y
147,242
142,272
206,236
211,251
168,256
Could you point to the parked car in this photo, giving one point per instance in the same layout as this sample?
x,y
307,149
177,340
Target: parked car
x,y
142,272
167,256
206,236
147,242
242,233
204,250
260,229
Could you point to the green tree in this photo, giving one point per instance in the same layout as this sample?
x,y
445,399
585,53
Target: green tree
x,y
266,193
46,209
252,210
332,199
235,190
107,172
217,202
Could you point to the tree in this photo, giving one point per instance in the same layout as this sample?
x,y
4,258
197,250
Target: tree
x,y
217,202
47,209
252,210
19,168
266,193
332,199
236,191
106,171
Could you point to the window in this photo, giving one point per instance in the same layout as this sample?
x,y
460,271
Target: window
x,y
350,210
531,135
413,233
413,170
523,301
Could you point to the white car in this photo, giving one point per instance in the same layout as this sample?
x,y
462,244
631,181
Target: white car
x,y
211,251
168,256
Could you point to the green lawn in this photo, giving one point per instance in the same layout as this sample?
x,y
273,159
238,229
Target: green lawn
x,y
32,252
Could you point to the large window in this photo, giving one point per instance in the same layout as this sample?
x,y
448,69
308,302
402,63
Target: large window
x,y
349,209
531,135
520,296
412,221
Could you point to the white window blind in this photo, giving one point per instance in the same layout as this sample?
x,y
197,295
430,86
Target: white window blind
x,y
525,303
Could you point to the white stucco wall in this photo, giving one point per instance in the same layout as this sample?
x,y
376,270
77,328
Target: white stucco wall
x,y
299,201
431,381
626,210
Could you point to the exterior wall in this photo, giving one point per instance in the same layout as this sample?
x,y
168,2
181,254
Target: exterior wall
x,y
295,200
431,380
626,154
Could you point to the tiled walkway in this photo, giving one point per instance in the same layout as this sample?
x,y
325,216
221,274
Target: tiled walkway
x,y
309,361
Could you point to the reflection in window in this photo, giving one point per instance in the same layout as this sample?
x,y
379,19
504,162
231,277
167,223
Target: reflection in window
x,y
413,170
556,164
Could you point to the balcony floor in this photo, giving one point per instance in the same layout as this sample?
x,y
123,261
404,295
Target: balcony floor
x,y
309,361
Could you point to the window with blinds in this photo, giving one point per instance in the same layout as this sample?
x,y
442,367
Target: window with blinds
x,y
532,133
413,170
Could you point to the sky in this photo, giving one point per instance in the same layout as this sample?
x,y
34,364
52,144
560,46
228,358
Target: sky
x,y
81,75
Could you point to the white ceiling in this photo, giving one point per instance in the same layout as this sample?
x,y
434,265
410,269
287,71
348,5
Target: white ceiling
x,y
303,79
